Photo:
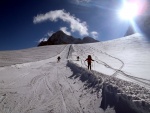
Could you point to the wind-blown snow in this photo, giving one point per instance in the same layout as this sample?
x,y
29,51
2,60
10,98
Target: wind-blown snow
x,y
31,80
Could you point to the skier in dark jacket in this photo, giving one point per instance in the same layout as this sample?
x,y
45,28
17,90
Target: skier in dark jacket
x,y
58,59
78,58
89,61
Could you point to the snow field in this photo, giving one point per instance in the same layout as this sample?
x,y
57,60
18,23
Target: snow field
x,y
31,80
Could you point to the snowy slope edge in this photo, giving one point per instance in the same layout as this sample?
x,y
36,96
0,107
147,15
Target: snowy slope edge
x,y
121,95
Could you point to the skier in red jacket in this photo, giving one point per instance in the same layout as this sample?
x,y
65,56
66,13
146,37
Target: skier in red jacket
x,y
89,61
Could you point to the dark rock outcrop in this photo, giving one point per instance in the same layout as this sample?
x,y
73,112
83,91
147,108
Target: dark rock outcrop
x,y
130,31
88,40
61,38
143,25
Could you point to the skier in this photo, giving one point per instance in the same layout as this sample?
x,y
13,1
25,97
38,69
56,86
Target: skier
x,y
77,58
58,59
89,60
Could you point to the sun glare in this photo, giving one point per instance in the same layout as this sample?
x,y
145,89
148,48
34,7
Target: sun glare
x,y
129,11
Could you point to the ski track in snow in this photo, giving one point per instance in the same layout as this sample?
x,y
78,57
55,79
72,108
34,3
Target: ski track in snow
x,y
136,79
85,51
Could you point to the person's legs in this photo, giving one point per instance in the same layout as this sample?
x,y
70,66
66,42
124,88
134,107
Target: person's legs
x,y
90,66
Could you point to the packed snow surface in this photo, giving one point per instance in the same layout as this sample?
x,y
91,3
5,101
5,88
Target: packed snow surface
x,y
32,81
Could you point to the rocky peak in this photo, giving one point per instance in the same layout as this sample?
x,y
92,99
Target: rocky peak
x,y
60,37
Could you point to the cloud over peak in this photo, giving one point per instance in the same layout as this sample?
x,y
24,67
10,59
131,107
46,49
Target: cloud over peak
x,y
43,40
64,29
94,34
75,23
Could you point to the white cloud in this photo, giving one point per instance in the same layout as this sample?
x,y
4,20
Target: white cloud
x,y
75,23
50,33
64,29
43,39
94,34
46,36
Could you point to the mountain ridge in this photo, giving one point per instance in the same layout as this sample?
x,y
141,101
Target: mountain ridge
x,y
60,37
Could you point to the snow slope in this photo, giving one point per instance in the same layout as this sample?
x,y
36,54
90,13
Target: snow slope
x,y
31,80
127,58
8,58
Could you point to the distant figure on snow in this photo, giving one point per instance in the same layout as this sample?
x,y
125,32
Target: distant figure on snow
x,y
77,58
58,59
89,61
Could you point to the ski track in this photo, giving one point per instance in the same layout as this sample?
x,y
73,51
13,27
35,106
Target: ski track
x,y
34,83
85,51
73,91
136,79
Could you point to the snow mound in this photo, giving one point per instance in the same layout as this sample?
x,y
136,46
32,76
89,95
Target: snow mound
x,y
125,97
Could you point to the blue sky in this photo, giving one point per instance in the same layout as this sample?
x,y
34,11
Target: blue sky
x,y
23,23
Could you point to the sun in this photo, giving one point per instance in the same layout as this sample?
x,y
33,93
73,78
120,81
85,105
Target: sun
x,y
129,11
